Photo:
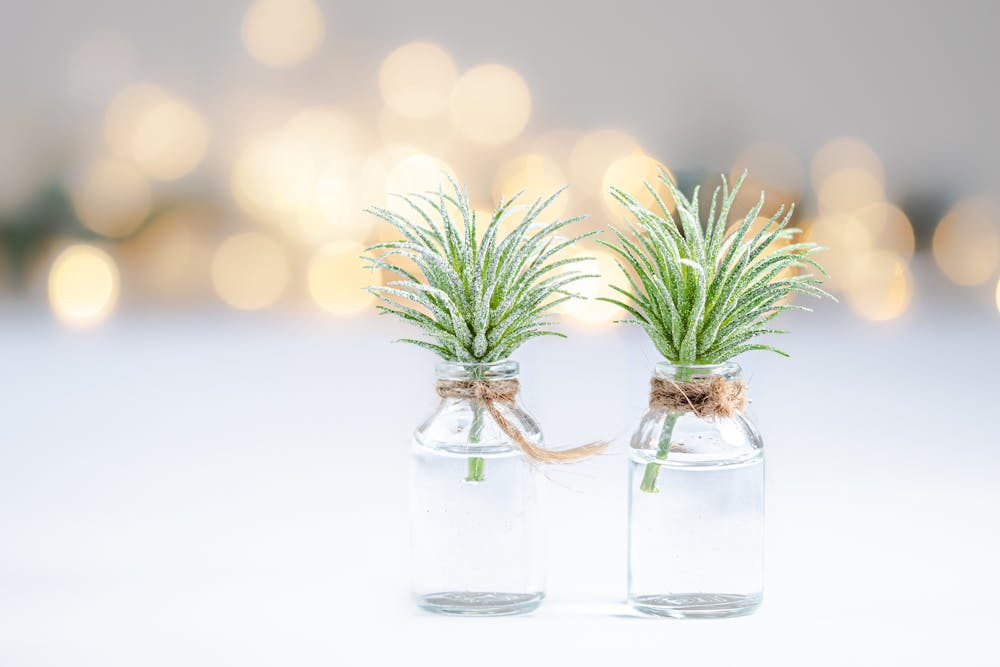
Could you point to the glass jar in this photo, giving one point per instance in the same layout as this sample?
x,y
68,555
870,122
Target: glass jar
x,y
475,530
696,508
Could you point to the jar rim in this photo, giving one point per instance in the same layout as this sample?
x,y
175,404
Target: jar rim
x,y
463,370
727,369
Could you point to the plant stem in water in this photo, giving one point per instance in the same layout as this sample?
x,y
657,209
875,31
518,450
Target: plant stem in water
x,y
476,472
652,470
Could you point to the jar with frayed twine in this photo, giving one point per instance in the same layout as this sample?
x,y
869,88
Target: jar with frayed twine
x,y
490,394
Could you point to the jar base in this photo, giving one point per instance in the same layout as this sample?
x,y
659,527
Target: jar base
x,y
472,603
697,605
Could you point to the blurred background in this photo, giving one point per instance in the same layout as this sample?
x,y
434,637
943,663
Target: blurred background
x,y
195,380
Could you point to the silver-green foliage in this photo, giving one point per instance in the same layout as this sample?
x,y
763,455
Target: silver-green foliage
x,y
701,294
476,298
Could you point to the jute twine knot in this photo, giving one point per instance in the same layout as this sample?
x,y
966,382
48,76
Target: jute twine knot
x,y
716,398
491,393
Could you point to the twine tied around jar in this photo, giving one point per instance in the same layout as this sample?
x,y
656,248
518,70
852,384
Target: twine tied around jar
x,y
716,398
491,393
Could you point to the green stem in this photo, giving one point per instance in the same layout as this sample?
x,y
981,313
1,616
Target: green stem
x,y
653,468
476,463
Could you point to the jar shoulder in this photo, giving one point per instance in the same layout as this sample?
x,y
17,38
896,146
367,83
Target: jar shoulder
x,y
688,438
465,427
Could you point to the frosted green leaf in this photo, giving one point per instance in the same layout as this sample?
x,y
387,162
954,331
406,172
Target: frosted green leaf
x,y
477,294
700,292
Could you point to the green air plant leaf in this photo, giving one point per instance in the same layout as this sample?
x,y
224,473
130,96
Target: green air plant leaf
x,y
702,291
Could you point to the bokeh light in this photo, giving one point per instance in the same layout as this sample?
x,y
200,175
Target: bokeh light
x,y
491,104
307,179
416,80
998,295
162,135
416,172
589,310
966,242
280,33
888,228
591,156
631,174
250,271
848,246
435,134
337,278
111,197
271,177
170,258
848,190
845,153
343,190
324,132
83,286
884,288
537,176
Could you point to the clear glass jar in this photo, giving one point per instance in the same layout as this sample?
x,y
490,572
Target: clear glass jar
x,y
475,529
696,509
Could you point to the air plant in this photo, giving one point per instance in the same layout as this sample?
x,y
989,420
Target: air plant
x,y
477,297
705,292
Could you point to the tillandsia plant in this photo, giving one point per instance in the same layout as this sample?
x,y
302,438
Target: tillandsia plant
x,y
477,296
704,292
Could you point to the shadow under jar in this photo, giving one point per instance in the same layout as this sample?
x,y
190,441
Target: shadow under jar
x,y
475,529
696,507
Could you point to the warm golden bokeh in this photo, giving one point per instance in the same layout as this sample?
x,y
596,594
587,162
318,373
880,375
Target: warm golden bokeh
x,y
491,104
83,286
845,153
537,176
250,271
170,259
883,290
966,242
589,310
280,33
433,134
848,190
888,227
324,132
591,156
848,244
632,174
111,197
416,173
162,135
271,177
343,190
337,278
416,80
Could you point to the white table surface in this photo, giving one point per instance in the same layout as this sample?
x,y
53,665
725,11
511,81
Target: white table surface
x,y
224,489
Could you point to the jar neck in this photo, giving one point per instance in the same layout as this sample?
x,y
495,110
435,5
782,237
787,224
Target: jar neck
x,y
728,370
467,372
